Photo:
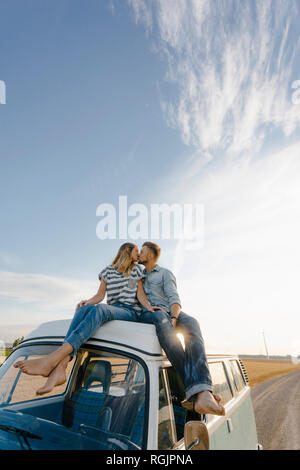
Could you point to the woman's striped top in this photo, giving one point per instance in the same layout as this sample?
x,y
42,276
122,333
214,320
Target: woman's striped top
x,y
120,288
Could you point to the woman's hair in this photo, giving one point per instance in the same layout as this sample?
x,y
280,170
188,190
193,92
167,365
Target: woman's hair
x,y
123,259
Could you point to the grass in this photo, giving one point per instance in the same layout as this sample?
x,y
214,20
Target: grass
x,y
5,352
259,370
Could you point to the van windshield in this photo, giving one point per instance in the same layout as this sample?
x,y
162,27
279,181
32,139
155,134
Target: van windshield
x,y
104,398
16,387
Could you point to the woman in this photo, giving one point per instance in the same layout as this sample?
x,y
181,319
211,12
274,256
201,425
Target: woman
x,y
122,282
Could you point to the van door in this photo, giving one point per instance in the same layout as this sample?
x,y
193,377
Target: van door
x,y
166,435
242,414
236,430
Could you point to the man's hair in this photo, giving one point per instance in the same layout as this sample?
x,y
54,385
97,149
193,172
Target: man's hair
x,y
154,248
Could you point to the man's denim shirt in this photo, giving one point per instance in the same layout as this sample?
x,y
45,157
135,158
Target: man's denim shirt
x,y
160,288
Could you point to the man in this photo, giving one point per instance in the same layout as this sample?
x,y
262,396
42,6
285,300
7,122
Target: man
x,y
191,363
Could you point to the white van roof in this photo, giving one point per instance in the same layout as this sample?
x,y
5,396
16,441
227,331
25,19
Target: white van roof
x,y
139,336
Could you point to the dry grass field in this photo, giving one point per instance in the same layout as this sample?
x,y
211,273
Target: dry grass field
x,y
259,370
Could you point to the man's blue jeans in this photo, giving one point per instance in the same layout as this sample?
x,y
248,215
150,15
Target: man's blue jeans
x,y
190,363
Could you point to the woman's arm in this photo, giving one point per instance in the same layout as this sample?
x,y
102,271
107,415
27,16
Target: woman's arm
x,y
97,297
142,298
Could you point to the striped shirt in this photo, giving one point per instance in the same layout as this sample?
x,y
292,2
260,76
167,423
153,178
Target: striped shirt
x,y
120,288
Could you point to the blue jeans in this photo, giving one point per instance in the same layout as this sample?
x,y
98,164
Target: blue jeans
x,y
190,364
89,318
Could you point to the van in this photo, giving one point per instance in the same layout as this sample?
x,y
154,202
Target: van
x,y
121,393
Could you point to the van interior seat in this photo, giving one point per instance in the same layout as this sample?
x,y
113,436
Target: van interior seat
x,y
85,406
116,414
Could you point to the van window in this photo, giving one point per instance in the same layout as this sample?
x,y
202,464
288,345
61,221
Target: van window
x,y
166,423
238,379
15,386
220,383
110,394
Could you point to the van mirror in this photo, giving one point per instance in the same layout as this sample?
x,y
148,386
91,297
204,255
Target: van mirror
x,y
196,436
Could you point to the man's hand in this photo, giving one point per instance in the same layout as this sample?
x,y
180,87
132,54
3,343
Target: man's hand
x,y
175,312
159,308
155,307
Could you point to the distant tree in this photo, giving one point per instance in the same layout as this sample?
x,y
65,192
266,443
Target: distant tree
x,y
17,341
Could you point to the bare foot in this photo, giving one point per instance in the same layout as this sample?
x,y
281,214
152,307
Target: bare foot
x,y
40,366
56,377
45,365
189,405
207,403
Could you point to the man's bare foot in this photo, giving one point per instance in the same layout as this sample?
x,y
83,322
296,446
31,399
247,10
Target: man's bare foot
x,y
40,366
56,377
207,403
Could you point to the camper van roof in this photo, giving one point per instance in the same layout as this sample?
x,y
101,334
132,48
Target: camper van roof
x,y
138,336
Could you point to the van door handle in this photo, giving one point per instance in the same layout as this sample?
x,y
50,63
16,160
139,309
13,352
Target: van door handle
x,y
229,425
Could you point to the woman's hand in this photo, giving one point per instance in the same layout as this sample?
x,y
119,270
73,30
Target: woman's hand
x,y
81,303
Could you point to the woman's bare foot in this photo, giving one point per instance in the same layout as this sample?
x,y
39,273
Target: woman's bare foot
x,y
42,366
45,365
207,403
56,377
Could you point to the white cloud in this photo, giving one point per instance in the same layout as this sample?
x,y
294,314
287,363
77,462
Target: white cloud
x,y
233,64
142,13
10,259
28,297
245,278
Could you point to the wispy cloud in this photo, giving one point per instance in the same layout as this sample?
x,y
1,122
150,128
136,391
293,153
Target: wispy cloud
x,y
233,64
10,259
247,272
42,297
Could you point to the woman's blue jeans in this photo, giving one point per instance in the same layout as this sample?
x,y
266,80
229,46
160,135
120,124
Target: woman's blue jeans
x,y
89,318
190,363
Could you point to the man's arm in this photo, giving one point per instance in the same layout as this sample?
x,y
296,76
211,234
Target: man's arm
x,y
175,310
170,290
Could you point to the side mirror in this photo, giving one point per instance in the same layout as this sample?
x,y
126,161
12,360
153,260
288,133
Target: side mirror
x,y
196,436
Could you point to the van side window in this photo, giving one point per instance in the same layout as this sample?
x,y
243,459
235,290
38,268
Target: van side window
x,y
238,379
220,382
166,423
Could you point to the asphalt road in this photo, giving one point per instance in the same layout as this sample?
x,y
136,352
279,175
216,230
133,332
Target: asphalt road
x,y
276,405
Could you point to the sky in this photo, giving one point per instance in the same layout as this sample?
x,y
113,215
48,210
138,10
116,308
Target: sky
x,y
164,102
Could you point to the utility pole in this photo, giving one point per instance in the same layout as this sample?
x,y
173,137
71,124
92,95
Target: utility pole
x,y
263,333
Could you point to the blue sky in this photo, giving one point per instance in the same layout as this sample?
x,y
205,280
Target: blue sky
x,y
164,102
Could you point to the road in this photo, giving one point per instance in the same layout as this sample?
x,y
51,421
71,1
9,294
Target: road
x,y
276,405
